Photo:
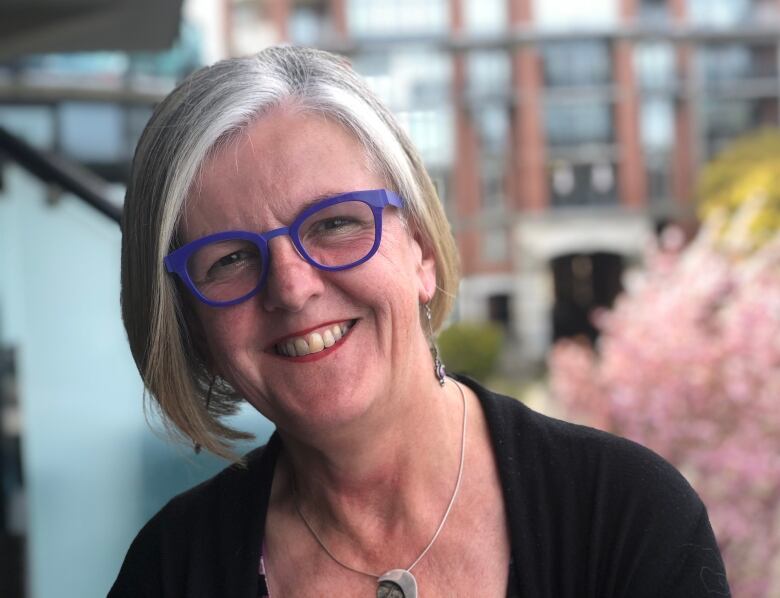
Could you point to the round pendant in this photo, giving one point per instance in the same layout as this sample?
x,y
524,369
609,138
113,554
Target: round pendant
x,y
398,583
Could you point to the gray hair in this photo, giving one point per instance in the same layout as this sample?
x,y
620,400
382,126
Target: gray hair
x,y
204,112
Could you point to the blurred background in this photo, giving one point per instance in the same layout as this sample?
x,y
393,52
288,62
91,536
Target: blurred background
x,y
611,170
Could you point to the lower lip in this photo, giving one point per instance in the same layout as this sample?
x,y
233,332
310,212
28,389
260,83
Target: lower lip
x,y
320,354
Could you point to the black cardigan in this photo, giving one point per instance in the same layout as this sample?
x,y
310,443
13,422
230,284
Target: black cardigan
x,y
589,515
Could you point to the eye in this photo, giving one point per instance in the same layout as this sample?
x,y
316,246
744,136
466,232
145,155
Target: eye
x,y
230,262
224,260
333,224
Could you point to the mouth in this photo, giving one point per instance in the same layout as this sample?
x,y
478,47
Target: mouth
x,y
318,341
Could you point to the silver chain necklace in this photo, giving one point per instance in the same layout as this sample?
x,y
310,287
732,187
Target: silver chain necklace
x,y
397,583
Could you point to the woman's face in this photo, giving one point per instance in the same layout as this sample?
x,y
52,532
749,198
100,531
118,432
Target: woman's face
x,y
261,181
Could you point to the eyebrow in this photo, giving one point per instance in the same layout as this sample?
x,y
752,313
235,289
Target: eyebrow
x,y
318,198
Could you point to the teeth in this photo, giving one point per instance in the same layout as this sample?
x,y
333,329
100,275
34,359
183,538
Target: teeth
x,y
314,342
301,346
328,339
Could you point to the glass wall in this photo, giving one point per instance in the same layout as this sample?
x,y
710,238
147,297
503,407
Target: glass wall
x,y
99,135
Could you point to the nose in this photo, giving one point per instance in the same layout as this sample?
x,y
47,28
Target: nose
x,y
291,281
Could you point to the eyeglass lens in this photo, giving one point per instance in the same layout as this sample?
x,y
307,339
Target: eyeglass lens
x,y
335,236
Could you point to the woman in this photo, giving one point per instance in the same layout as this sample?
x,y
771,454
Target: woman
x,y
283,245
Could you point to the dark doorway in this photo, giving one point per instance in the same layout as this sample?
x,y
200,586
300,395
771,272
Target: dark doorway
x,y
499,311
583,282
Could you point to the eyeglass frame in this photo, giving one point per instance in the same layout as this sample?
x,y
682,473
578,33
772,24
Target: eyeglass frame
x,y
376,199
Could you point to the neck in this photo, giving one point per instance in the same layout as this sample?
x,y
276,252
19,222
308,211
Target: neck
x,y
372,482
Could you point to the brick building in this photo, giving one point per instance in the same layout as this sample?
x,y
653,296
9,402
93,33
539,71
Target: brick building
x,y
560,134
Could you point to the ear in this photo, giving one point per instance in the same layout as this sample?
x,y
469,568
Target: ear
x,y
425,268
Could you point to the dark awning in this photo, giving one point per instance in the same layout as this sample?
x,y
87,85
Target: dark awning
x,y
40,26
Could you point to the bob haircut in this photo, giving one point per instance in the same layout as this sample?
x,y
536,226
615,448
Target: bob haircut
x,y
205,112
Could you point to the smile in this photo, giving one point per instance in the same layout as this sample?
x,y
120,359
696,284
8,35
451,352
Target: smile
x,y
315,341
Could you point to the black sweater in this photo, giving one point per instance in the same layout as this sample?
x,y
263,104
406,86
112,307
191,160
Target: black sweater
x,y
589,515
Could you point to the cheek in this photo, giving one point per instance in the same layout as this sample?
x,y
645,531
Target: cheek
x,y
226,332
397,289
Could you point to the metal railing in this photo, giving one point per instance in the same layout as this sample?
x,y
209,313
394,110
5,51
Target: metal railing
x,y
60,172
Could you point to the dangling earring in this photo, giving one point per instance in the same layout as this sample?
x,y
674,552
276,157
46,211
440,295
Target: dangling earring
x,y
438,366
197,446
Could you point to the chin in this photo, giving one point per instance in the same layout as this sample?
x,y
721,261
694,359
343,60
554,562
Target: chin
x,y
309,404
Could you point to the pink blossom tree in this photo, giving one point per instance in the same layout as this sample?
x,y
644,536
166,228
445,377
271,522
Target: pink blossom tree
x,y
688,364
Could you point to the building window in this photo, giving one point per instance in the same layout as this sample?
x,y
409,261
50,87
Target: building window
x,y
409,78
484,16
576,64
719,13
492,124
310,22
652,12
379,17
726,119
575,15
499,310
432,134
656,128
492,187
658,169
415,84
723,64
568,124
488,74
656,124
655,65
583,184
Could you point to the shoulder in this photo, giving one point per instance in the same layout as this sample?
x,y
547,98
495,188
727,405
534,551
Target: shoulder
x,y
530,443
611,512
185,539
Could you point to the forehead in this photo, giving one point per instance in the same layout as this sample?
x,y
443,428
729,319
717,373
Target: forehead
x,y
262,176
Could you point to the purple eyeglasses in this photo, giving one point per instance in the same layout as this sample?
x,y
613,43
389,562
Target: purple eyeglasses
x,y
334,234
